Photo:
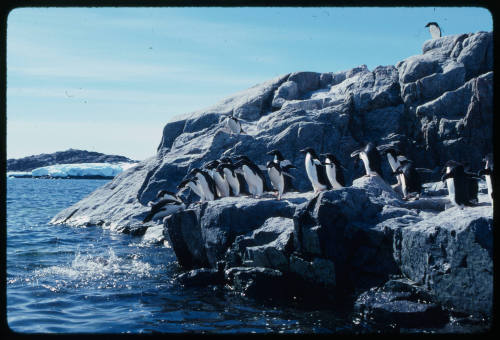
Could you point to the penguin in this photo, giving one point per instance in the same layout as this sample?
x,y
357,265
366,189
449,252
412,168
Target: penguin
x,y
277,177
234,125
334,171
457,183
253,175
191,183
205,183
165,194
231,177
487,172
315,171
434,29
472,182
221,185
394,156
371,159
285,165
164,208
410,179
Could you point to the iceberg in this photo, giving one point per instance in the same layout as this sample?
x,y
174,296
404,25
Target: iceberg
x,y
105,170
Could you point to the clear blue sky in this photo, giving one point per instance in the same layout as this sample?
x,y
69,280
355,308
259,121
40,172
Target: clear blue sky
x,y
109,79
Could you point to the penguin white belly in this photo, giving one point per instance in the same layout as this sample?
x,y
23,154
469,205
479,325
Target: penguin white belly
x,y
255,185
331,173
205,189
222,185
394,165
489,185
312,174
435,32
195,188
233,126
277,181
450,184
404,187
366,162
233,181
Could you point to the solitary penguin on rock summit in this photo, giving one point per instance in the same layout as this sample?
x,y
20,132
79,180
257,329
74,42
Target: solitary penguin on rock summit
x,y
434,29
315,171
334,171
371,159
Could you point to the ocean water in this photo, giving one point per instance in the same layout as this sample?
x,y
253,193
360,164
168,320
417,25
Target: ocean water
x,y
63,279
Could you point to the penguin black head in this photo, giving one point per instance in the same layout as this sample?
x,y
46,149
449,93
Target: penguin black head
x,y
310,151
225,160
185,182
211,165
193,172
432,23
162,193
276,153
450,164
332,159
243,158
392,150
488,160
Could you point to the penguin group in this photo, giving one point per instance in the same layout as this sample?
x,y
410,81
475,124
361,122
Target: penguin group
x,y
226,177
240,176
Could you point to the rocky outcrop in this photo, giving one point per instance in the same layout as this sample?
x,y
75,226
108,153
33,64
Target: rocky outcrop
x,y
435,106
70,156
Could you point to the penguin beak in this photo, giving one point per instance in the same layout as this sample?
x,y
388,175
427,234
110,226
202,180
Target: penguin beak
x,y
303,151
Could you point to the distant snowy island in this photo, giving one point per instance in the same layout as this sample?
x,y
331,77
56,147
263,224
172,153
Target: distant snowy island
x,y
78,170
69,164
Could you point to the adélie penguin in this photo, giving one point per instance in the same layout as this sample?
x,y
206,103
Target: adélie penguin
x,y
434,29
334,171
222,186
285,166
487,172
458,185
411,184
394,156
165,194
315,171
253,175
371,159
277,177
163,208
231,177
234,125
191,183
205,183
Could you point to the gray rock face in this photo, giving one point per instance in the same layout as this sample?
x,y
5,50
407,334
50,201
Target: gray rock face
x,y
452,255
435,106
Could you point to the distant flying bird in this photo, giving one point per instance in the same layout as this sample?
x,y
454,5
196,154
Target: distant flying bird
x,y
434,29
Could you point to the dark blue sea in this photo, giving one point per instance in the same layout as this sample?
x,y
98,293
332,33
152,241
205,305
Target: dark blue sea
x,y
63,279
